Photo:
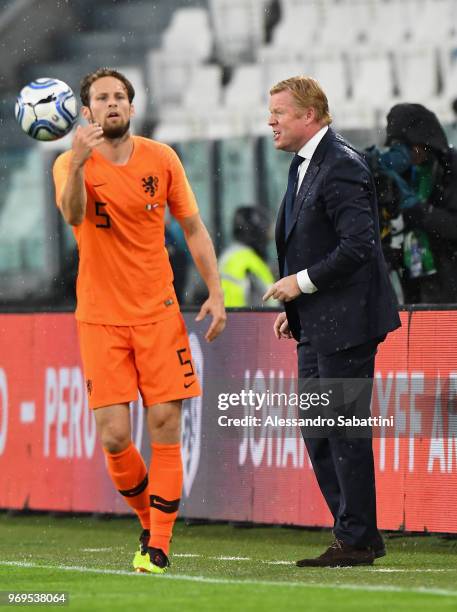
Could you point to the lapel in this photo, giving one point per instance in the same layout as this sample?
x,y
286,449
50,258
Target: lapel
x,y
311,173
308,180
279,231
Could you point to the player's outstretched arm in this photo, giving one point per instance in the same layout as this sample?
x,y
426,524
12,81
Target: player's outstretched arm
x,y
74,196
202,251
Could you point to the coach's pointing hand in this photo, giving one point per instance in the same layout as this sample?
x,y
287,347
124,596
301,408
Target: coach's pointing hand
x,y
285,289
214,306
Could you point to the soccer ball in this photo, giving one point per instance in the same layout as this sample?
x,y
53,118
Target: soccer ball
x,y
46,109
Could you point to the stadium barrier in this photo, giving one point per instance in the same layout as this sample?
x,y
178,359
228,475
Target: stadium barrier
x,y
50,459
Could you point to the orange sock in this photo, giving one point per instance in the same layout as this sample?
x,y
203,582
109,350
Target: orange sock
x,y
165,485
129,474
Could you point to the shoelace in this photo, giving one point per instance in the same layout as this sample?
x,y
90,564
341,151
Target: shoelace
x,y
336,544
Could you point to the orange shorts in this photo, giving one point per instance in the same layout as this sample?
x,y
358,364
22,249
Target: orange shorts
x,y
154,358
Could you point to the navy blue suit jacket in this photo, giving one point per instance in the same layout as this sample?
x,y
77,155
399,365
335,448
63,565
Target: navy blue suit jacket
x,y
335,236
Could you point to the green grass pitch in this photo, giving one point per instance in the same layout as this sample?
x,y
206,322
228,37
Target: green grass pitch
x,y
217,568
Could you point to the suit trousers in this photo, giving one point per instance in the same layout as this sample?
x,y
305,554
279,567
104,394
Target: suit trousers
x,y
343,464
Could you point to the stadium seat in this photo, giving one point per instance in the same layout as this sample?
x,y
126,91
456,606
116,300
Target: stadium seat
x,y
372,88
441,104
299,27
223,123
245,102
447,58
443,15
172,69
331,70
417,72
307,12
371,76
442,107
238,27
278,64
189,32
176,125
245,88
346,24
218,123
204,88
393,21
168,76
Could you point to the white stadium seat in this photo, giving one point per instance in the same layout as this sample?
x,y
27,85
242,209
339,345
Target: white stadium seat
x,y
417,72
204,89
189,33
245,87
436,22
447,57
279,64
238,27
346,24
331,70
372,85
371,76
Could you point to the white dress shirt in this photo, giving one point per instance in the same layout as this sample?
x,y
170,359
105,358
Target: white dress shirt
x,y
307,151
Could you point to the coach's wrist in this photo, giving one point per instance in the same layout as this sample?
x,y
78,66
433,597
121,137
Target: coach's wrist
x,y
305,283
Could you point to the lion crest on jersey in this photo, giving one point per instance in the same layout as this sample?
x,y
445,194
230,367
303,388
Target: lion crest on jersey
x,y
150,184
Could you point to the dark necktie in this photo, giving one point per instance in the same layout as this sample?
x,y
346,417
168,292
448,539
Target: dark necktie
x,y
292,182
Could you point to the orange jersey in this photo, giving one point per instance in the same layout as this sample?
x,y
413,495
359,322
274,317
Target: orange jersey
x,y
124,275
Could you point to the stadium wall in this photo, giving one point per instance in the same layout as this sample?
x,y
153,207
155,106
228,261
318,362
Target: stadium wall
x,y
50,459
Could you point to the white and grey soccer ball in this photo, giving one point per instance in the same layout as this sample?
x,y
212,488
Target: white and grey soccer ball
x,y
46,109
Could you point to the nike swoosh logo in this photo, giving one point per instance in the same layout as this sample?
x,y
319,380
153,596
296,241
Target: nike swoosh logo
x,y
99,185
187,386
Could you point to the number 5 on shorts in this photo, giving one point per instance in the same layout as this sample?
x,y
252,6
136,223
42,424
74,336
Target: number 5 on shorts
x,y
184,362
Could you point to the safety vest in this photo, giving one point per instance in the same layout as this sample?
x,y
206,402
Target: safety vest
x,y
244,276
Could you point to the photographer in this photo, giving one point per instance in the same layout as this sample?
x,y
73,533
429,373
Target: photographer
x,y
425,172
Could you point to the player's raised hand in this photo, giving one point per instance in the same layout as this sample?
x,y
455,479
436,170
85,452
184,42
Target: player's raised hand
x,y
214,306
281,327
85,139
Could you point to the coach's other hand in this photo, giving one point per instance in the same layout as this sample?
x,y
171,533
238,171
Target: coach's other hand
x,y
285,289
281,327
214,306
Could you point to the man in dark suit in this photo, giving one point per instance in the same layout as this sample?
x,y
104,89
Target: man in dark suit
x,y
338,300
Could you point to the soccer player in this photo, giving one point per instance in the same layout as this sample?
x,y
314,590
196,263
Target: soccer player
x,y
113,188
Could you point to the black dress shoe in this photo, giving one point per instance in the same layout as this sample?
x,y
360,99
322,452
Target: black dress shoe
x,y
378,547
340,554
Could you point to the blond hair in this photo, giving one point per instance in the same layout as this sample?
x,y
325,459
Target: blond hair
x,y
307,93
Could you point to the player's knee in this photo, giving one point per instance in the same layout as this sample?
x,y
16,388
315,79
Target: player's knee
x,y
114,441
167,425
171,425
